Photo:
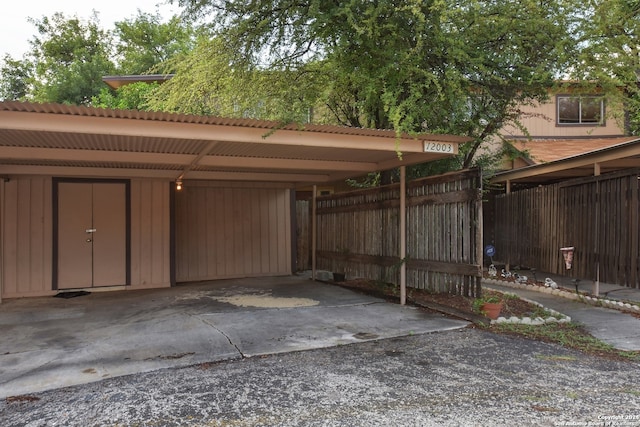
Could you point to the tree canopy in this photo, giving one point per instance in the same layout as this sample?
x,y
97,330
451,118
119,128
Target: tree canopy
x,y
69,57
463,68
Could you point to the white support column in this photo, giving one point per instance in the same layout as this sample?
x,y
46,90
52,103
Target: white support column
x,y
313,233
403,236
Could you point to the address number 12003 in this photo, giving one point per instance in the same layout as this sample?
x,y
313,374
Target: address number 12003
x,y
439,147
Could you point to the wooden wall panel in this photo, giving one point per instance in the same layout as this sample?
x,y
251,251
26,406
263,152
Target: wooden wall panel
x,y
150,234
26,237
226,231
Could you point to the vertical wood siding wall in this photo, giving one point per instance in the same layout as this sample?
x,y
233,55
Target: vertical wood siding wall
x,y
150,234
358,233
27,236
598,216
226,231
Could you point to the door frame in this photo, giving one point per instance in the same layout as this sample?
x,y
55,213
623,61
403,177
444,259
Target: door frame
x,y
54,208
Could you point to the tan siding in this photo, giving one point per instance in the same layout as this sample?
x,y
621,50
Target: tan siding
x,y
540,121
27,237
150,234
235,231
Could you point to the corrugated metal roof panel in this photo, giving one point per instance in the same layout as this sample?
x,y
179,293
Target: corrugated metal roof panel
x,y
213,120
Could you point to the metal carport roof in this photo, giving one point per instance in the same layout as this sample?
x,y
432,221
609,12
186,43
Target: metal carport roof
x,y
65,140
614,158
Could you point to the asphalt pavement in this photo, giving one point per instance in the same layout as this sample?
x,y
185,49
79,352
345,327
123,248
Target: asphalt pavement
x,y
466,378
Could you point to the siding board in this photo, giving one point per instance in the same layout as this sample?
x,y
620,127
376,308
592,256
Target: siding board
x,y
248,231
596,215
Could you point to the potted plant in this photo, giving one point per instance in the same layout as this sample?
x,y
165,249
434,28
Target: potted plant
x,y
489,305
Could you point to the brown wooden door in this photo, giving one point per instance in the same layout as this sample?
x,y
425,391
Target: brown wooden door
x,y
91,243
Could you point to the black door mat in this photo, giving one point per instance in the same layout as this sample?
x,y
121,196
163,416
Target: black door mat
x,y
73,294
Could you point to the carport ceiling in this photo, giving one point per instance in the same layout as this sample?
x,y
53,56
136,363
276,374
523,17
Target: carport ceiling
x,y
63,140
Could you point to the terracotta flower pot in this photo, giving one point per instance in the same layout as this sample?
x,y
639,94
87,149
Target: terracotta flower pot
x,y
491,309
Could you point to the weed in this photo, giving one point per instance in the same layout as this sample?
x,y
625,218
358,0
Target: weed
x,y
569,335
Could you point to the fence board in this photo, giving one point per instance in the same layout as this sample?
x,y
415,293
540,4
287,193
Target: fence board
x,y
596,215
358,233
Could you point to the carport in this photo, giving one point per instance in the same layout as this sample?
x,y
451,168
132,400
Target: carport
x,y
111,199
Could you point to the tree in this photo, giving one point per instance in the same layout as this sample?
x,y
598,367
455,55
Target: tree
x,y
608,58
17,76
69,57
144,42
407,65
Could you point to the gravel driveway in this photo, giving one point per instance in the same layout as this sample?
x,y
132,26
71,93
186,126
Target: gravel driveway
x,y
467,377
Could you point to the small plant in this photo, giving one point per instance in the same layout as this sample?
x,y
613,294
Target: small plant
x,y
489,305
478,303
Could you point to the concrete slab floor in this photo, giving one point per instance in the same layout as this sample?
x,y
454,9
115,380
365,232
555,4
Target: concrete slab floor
x,y
48,343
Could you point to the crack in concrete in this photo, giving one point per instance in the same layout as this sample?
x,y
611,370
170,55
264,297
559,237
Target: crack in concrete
x,y
223,334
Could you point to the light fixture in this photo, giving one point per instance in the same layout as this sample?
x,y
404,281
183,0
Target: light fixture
x,y
178,184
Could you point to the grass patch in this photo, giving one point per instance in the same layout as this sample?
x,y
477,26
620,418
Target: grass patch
x,y
569,335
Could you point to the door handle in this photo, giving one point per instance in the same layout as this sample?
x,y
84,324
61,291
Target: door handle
x,y
90,230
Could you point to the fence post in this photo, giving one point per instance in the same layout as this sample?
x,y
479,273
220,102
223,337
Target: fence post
x,y
313,234
403,236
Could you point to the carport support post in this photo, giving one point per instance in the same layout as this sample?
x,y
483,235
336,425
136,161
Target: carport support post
x,y
2,183
313,234
403,235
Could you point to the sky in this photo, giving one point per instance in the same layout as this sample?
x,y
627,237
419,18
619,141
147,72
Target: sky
x,y
16,31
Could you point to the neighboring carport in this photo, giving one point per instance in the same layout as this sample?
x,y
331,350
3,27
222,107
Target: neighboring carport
x,y
589,202
231,218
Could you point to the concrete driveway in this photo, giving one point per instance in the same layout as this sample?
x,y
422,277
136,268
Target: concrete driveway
x,y
47,343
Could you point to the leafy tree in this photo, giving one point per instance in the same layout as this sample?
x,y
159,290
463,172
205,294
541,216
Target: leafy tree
x,y
17,76
409,65
144,42
608,58
69,58
133,96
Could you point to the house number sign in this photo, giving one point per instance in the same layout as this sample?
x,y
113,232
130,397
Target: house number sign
x,y
439,147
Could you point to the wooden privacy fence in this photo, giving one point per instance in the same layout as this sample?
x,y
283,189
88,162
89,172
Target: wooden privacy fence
x,y
358,233
598,216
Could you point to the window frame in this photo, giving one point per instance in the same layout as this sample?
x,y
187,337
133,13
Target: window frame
x,y
601,122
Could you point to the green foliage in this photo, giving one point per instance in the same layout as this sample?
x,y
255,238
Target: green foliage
x,y
16,78
145,42
570,335
69,58
408,65
133,96
608,55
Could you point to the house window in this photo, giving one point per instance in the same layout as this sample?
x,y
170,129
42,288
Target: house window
x,y
580,110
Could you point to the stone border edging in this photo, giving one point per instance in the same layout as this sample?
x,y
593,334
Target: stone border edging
x,y
564,293
556,317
